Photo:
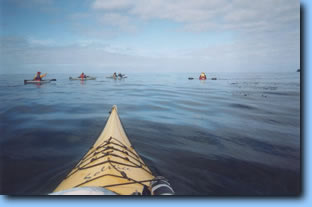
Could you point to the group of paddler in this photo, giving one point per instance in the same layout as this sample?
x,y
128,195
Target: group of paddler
x,y
118,76
39,77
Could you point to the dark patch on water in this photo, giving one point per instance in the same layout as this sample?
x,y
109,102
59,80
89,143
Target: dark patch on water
x,y
242,106
263,146
33,176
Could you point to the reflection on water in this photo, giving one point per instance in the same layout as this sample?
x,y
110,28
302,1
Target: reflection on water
x,y
237,135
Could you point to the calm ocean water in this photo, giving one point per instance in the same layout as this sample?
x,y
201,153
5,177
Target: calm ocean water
x,y
237,135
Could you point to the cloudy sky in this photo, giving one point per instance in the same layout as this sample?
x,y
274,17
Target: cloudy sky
x,y
149,35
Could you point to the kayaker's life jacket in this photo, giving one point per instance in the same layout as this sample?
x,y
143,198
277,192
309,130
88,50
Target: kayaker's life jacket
x,y
82,76
38,77
202,76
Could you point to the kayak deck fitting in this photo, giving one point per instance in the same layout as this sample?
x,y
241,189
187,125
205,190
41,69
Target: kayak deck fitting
x,y
111,163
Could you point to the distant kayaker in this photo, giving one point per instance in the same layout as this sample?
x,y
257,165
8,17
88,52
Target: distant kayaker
x,y
202,76
82,75
38,76
115,75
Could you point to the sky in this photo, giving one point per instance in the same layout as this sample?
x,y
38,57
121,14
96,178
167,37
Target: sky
x,y
69,36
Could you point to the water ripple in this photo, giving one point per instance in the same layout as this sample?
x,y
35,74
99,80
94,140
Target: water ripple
x,y
238,135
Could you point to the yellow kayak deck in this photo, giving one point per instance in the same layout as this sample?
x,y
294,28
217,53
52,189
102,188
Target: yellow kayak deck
x,y
111,163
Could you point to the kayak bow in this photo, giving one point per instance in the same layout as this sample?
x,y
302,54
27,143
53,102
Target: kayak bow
x,y
111,163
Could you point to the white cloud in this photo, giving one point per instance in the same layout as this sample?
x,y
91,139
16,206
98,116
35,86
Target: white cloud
x,y
263,33
237,56
115,19
41,1
201,14
109,4
260,28
41,42
31,3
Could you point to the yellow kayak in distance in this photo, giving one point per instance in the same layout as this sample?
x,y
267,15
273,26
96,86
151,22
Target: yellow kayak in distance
x,y
111,163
